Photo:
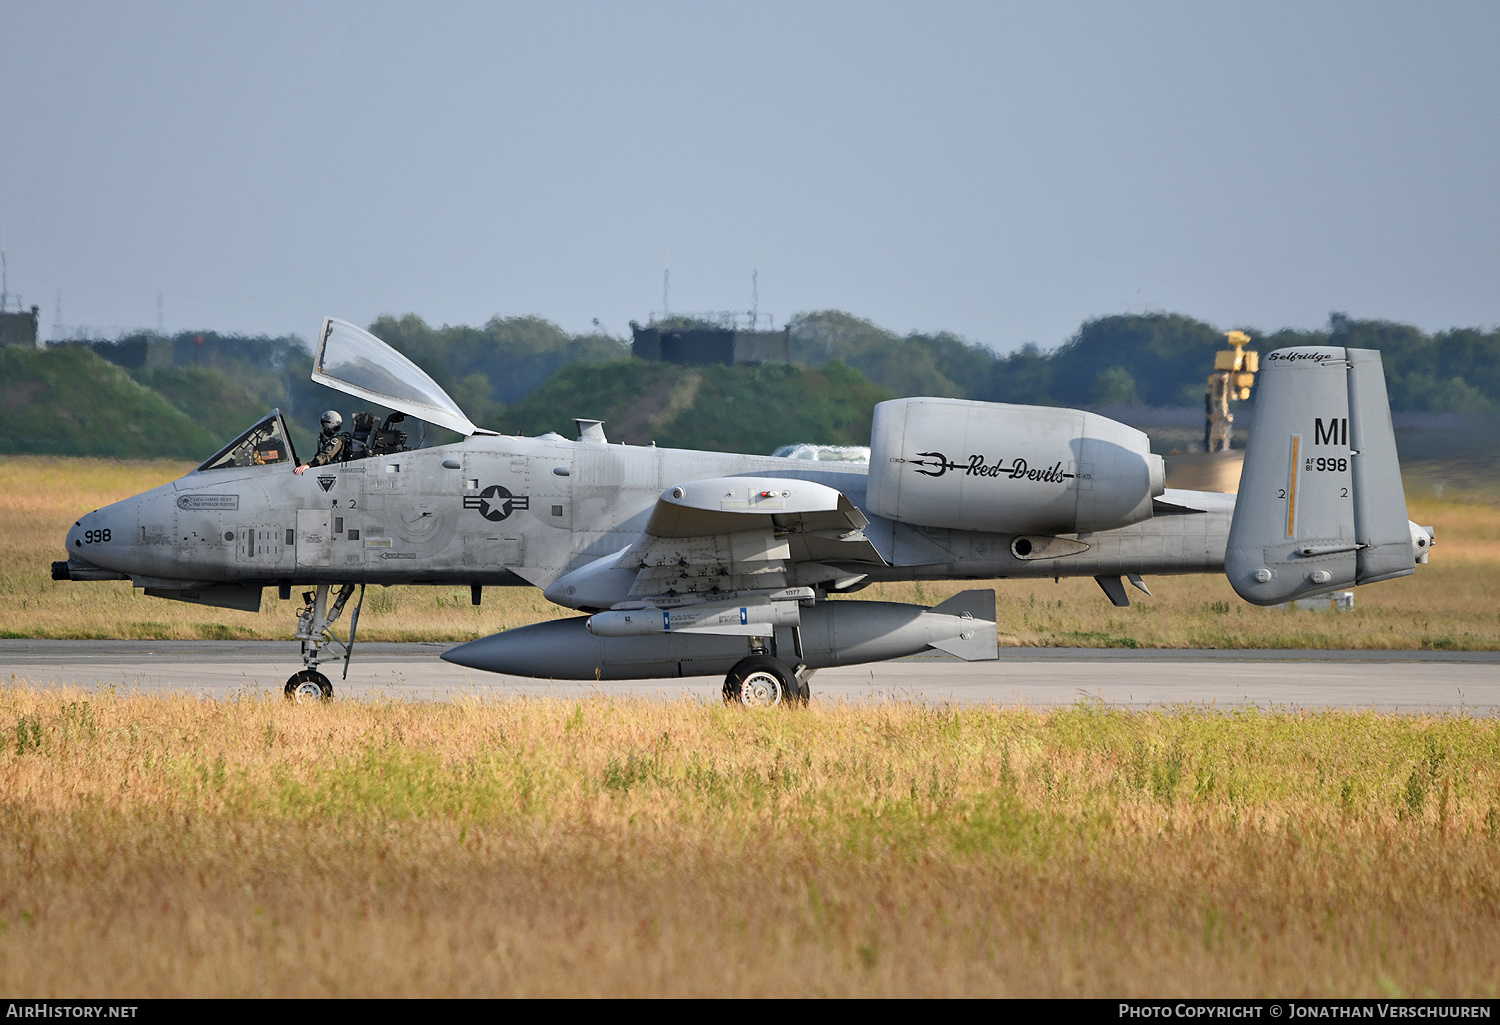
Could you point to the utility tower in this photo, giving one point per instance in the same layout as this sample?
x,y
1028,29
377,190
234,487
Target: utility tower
x,y
1234,373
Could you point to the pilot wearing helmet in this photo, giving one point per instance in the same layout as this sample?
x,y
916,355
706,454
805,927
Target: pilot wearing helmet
x,y
333,445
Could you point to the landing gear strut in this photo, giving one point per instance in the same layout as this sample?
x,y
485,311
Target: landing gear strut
x,y
762,681
312,630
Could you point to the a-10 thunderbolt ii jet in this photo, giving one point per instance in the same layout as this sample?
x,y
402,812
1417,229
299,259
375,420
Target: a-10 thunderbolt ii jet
x,y
689,563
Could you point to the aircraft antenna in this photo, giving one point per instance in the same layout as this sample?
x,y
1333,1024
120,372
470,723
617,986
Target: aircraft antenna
x,y
754,298
57,321
666,282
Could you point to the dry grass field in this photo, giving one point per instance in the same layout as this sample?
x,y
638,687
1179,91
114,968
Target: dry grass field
x,y
161,846
1452,603
174,847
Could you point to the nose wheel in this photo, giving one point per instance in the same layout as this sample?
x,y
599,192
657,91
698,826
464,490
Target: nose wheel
x,y
309,685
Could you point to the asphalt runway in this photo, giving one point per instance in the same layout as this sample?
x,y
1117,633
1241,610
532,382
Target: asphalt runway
x,y
1392,681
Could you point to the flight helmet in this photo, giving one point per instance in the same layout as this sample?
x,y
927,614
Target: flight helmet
x,y
332,421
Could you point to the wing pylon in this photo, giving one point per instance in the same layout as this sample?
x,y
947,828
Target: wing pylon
x,y
726,539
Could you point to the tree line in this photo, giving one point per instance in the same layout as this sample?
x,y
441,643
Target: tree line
x,y
1152,359
526,373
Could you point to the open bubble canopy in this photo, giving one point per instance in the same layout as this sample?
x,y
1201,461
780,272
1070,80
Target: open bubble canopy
x,y
356,362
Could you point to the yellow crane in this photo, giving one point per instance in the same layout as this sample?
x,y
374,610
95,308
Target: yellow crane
x,y
1234,373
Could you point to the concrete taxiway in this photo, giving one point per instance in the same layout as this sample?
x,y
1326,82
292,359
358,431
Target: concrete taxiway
x,y
1391,681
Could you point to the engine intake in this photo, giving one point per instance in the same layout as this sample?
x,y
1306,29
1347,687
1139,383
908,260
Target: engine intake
x,y
1008,469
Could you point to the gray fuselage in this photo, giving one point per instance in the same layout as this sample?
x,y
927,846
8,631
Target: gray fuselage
x,y
500,510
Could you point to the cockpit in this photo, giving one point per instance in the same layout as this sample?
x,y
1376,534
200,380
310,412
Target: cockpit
x,y
262,445
357,363
375,437
267,443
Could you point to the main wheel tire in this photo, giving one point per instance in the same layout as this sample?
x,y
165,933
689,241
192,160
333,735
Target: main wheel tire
x,y
798,690
760,681
309,685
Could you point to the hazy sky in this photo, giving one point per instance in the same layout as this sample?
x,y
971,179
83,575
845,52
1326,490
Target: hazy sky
x,y
999,170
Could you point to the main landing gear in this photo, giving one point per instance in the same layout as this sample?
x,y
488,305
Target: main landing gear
x,y
762,681
312,630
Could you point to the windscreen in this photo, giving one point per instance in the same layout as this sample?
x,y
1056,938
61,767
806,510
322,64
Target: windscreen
x,y
262,445
355,361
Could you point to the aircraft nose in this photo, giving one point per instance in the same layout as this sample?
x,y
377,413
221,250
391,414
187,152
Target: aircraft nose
x,y
101,537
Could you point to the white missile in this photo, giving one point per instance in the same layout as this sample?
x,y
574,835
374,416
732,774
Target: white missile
x,y
752,619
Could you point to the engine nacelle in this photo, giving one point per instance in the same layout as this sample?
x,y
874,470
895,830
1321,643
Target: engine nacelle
x,y
1008,469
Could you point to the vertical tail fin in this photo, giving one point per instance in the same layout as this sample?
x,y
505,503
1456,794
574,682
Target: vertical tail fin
x,y
1380,520
1321,504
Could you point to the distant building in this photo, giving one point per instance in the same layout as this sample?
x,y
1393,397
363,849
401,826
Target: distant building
x,y
133,353
19,328
696,344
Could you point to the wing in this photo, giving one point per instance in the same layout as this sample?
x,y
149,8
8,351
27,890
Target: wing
x,y
749,533
713,539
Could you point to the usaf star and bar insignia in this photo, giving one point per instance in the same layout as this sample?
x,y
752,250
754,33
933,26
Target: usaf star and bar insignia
x,y
496,502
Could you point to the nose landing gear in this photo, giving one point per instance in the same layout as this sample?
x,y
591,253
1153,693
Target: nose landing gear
x,y
312,630
309,685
